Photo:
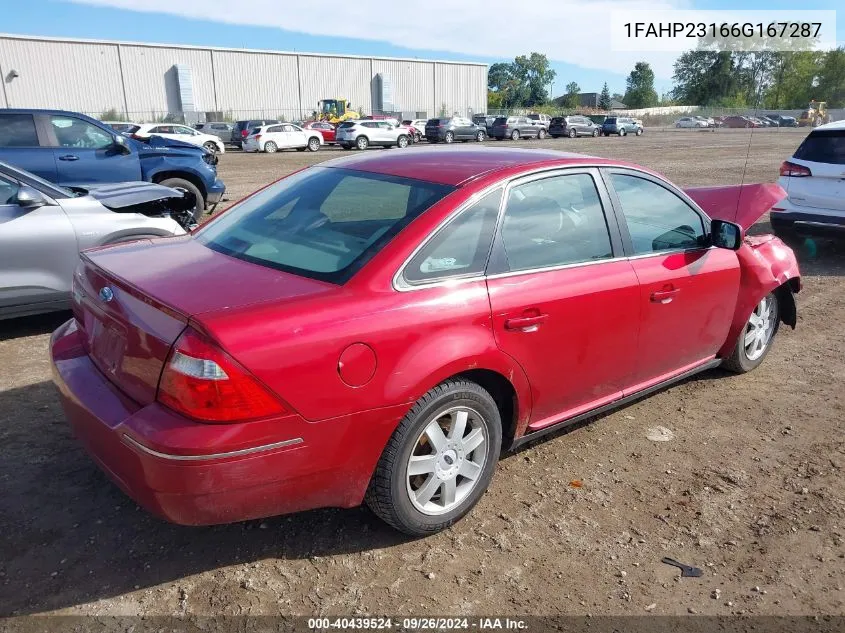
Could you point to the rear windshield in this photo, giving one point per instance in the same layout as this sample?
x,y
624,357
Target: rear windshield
x,y
557,120
436,121
535,117
500,120
823,146
611,120
323,223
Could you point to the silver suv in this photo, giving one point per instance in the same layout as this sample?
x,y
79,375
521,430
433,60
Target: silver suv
x,y
362,134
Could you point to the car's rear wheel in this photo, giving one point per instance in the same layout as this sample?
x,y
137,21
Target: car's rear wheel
x,y
439,461
211,146
595,133
362,142
756,338
480,137
313,144
187,185
515,135
572,133
450,137
541,134
402,141
270,147
639,131
622,132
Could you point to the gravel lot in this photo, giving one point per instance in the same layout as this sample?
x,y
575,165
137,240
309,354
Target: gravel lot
x,y
750,489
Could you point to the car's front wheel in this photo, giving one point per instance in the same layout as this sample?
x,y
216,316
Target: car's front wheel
x,y
515,135
211,146
622,132
450,137
480,137
402,141
572,133
186,185
595,133
541,134
439,461
756,338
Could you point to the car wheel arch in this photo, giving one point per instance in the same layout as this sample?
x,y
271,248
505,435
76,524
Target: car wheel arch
x,y
160,176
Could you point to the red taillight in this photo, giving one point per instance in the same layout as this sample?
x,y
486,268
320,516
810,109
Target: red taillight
x,y
244,133
257,137
203,382
796,171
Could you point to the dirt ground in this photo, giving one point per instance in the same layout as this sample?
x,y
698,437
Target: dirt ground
x,y
750,489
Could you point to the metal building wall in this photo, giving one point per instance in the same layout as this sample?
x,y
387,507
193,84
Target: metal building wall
x,y
93,77
77,77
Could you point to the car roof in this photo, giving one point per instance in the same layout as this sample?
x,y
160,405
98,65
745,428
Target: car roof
x,y
835,125
462,165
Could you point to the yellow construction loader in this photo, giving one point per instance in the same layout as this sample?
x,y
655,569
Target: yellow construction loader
x,y
336,110
816,114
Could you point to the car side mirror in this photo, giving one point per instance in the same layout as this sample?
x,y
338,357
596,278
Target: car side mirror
x,y
120,145
725,235
29,198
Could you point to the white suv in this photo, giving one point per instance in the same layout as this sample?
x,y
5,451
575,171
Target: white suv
x,y
814,180
362,134
180,133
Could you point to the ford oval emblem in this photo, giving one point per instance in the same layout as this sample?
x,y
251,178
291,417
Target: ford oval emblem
x,y
106,294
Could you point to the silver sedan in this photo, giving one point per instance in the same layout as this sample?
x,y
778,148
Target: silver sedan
x,y
43,227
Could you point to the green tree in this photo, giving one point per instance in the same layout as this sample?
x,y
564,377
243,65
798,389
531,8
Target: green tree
x,y
521,83
704,77
640,91
604,98
571,99
831,79
792,79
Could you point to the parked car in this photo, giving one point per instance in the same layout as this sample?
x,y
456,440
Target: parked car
x,y
690,122
220,129
484,121
515,127
416,132
180,133
541,119
124,127
362,134
326,130
708,121
369,330
783,121
814,180
73,150
43,227
621,125
572,126
242,129
759,122
451,129
737,121
272,138
419,126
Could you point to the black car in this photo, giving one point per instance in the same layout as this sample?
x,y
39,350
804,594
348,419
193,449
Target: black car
x,y
242,129
484,121
572,126
783,121
515,127
451,129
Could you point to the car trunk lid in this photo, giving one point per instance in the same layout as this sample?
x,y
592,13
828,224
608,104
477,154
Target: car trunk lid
x,y
129,326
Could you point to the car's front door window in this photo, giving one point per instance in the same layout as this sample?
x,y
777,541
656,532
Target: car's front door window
x,y
73,132
657,219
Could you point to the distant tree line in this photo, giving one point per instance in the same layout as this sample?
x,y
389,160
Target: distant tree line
x,y
768,79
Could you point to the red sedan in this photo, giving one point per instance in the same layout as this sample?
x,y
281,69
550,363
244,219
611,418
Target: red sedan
x,y
377,328
326,129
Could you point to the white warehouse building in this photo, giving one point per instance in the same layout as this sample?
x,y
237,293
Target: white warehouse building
x,y
141,82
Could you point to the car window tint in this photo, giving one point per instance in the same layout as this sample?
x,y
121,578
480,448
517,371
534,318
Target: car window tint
x,y
339,219
823,146
17,130
8,190
657,219
555,221
459,248
73,132
274,128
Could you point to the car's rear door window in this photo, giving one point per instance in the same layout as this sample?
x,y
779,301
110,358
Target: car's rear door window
x,y
823,146
657,219
553,222
461,247
17,130
323,223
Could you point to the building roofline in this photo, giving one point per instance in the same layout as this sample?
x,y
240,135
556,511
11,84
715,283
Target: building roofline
x,y
73,40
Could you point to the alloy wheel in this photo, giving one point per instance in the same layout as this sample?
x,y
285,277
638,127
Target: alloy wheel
x,y
760,328
447,460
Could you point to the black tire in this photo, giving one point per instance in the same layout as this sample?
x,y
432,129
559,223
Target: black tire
x,y
479,138
450,137
362,143
387,495
270,147
541,134
313,144
622,132
639,131
596,133
402,141
515,135
572,133
346,147
785,231
211,146
738,361
187,185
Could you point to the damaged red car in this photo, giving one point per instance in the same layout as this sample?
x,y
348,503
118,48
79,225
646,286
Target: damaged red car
x,y
378,328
